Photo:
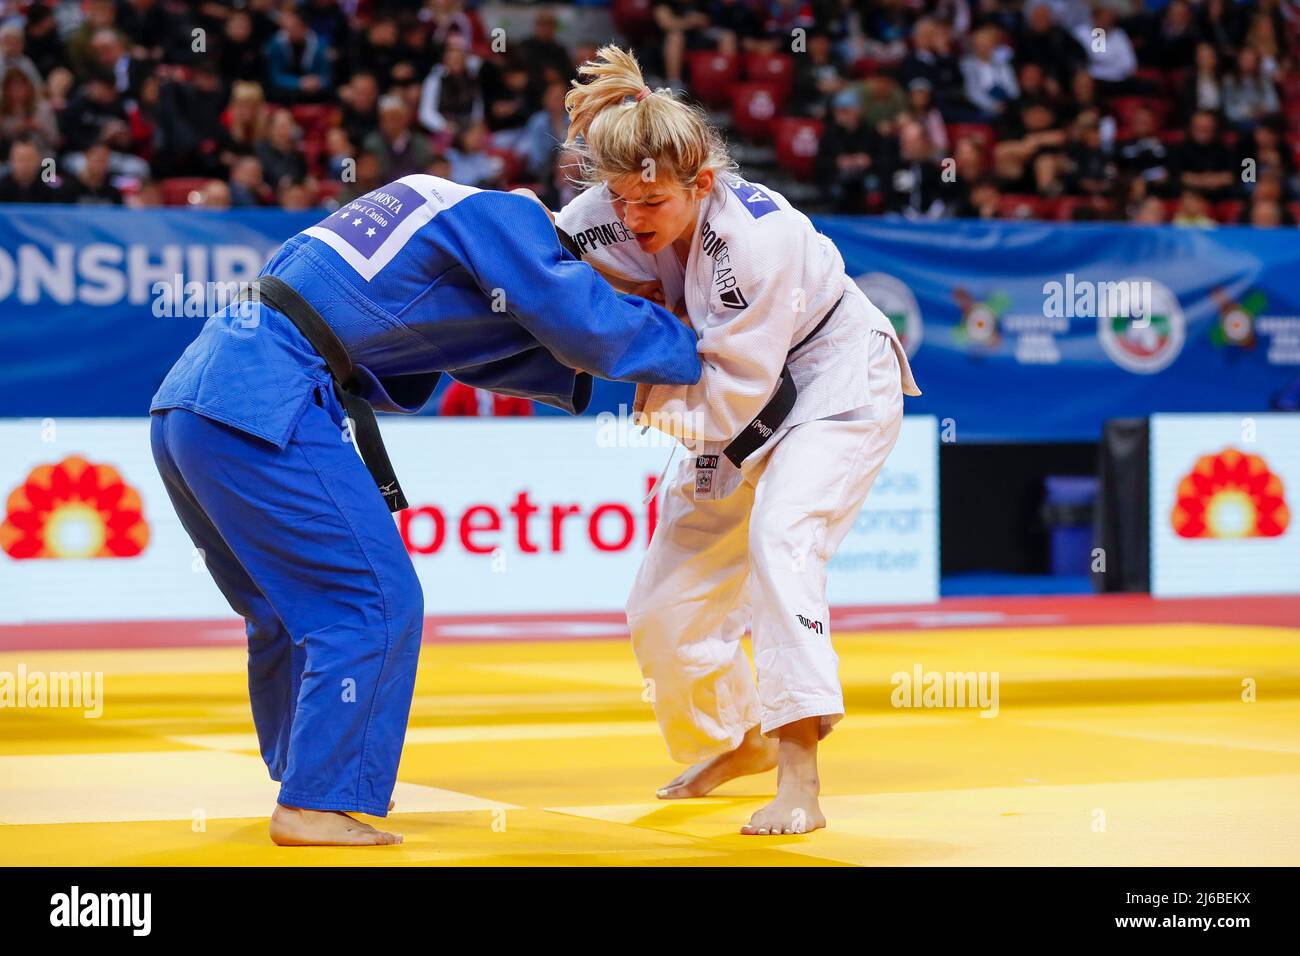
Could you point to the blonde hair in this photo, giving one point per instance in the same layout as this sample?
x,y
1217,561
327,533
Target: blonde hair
x,y
622,124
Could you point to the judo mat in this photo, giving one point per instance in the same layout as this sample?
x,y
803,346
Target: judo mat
x,y
1123,731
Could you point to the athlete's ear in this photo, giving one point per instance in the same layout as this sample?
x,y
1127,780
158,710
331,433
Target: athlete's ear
x,y
704,182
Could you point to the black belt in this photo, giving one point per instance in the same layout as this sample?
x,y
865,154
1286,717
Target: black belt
x,y
282,297
778,407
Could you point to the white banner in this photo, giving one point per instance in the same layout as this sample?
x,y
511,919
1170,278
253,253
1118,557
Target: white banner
x,y
1223,495
506,516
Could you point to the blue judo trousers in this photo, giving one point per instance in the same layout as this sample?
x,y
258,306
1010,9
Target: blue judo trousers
x,y
420,277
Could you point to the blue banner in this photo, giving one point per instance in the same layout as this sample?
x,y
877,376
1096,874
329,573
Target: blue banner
x,y
1042,331
1017,331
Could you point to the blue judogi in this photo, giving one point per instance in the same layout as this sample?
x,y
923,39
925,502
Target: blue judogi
x,y
419,277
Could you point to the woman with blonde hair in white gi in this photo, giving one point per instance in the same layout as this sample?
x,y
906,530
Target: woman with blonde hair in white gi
x,y
798,406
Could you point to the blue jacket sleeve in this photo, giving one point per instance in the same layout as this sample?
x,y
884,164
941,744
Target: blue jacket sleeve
x,y
509,245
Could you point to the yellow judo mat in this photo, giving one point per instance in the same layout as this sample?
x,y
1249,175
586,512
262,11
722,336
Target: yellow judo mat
x,y
1170,744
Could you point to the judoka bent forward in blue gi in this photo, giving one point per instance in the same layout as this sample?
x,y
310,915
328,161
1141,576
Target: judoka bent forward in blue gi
x,y
419,277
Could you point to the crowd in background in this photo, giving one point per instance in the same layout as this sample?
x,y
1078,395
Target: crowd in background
x,y
1146,110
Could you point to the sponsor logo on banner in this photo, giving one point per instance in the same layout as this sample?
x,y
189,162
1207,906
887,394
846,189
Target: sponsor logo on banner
x,y
1230,495
978,328
74,509
896,301
1241,323
1138,342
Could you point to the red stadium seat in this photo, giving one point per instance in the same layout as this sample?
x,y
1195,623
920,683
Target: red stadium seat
x,y
314,117
177,190
754,108
1228,210
512,165
1126,108
712,76
797,140
635,19
978,132
775,68
1066,205
1294,208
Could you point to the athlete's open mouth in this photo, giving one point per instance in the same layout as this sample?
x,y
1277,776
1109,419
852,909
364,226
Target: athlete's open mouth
x,y
644,236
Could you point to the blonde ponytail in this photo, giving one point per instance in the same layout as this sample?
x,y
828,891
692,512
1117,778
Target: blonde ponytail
x,y
626,128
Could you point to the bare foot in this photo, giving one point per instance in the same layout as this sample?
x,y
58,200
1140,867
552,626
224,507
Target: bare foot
x,y
754,754
291,826
795,809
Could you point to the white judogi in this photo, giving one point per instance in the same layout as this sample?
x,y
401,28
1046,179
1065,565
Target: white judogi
x,y
755,540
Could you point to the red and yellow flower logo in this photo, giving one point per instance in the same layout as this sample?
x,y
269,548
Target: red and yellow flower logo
x,y
74,510
1230,495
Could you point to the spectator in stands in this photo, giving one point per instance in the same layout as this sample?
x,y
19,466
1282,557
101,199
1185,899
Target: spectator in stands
x,y
1266,214
402,148
913,184
109,55
280,153
463,400
193,136
12,56
818,76
883,102
848,150
1175,42
1249,96
734,25
1151,212
377,50
471,163
297,63
340,154
369,175
94,113
360,115
1143,154
242,56
547,59
1044,43
450,97
246,119
148,27
921,110
214,195
1272,160
544,135
449,21
327,21
931,59
98,15
509,97
1112,60
983,201
247,185
1203,89
1085,98
296,197
989,76
41,40
1201,162
24,111
1090,171
92,186
683,29
1193,210
1262,36
1221,24
1029,157
28,178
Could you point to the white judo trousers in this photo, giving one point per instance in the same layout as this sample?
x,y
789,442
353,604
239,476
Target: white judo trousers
x,y
758,557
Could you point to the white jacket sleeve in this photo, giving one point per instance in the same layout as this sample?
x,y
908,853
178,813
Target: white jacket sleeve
x,y
742,352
